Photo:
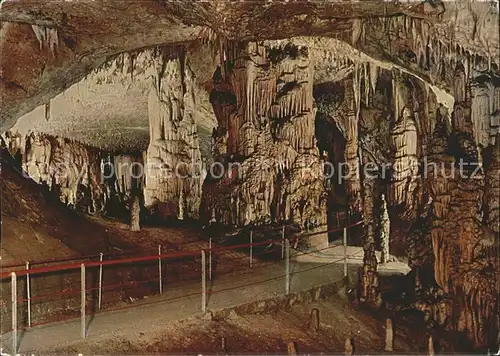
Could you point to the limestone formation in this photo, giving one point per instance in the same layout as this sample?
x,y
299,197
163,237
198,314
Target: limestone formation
x,y
492,189
368,276
174,171
389,336
405,145
82,177
462,267
385,226
412,85
134,214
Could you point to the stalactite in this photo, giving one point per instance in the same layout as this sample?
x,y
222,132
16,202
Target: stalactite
x,y
47,37
274,118
357,29
70,169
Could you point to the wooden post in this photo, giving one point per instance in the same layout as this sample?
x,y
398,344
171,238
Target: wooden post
x,y
251,248
160,281
13,284
210,259
345,251
283,242
28,293
287,266
83,300
99,296
389,335
203,283
431,346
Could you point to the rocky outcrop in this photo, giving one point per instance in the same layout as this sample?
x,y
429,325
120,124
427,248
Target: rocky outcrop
x,y
174,171
265,141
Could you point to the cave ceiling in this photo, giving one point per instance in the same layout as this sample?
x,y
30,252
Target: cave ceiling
x,y
113,112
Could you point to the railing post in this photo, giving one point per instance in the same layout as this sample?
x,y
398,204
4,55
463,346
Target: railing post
x,y
210,259
283,242
99,296
13,283
287,266
251,248
28,293
83,300
345,251
160,281
203,283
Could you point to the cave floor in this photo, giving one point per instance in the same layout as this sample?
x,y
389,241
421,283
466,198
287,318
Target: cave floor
x,y
264,333
227,291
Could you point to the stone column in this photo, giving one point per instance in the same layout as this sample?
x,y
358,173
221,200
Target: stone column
x,y
135,210
385,226
369,282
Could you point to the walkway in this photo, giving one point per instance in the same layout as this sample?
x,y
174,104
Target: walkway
x,y
227,291
355,253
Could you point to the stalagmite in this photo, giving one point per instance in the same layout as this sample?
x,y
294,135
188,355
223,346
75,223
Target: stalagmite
x,y
384,232
135,213
349,347
174,166
368,279
389,335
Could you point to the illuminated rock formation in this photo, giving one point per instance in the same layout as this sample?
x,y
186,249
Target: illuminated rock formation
x,y
266,134
174,171
385,226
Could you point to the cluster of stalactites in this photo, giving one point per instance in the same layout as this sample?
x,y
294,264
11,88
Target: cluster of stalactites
x,y
434,49
47,37
174,170
275,89
62,165
271,125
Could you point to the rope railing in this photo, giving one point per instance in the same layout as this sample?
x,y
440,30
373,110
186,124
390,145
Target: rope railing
x,y
178,269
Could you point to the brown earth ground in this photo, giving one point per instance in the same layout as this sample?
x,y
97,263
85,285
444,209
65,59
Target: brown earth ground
x,y
271,333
